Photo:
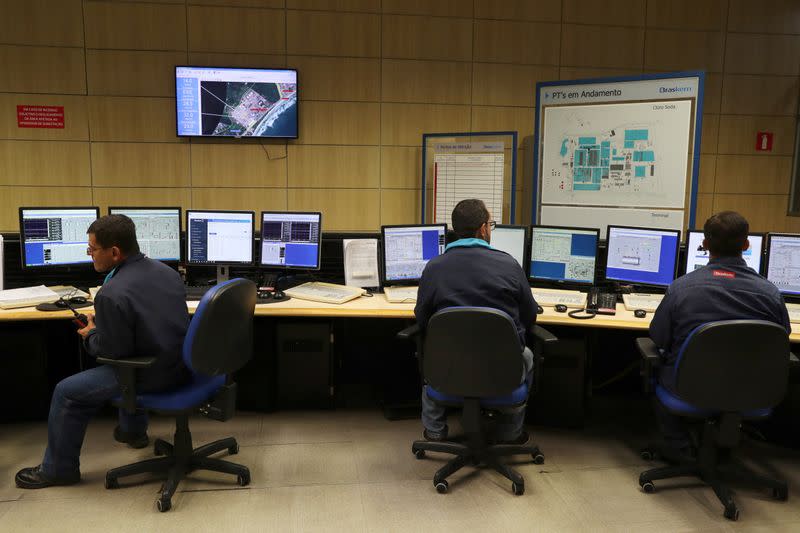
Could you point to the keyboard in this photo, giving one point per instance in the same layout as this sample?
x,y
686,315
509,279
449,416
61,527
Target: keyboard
x,y
551,297
794,313
648,302
330,293
196,292
400,295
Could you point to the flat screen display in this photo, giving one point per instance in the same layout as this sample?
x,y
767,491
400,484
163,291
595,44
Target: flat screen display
x,y
697,256
158,230
407,249
783,262
291,240
55,236
642,256
563,254
219,237
511,240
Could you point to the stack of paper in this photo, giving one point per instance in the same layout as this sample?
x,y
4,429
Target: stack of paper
x,y
27,297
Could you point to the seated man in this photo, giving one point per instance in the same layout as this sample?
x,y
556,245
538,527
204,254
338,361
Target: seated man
x,y
472,273
725,289
141,311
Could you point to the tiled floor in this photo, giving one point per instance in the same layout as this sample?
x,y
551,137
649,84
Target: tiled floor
x,y
352,470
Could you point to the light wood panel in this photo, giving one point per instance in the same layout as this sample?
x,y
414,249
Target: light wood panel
x,y
687,14
753,174
410,37
709,137
75,117
338,78
362,214
712,93
235,29
430,82
760,95
339,123
333,34
401,206
43,22
534,43
707,176
141,197
762,54
368,6
775,16
508,85
140,164
404,124
276,4
704,209
132,73
235,165
683,50
55,163
737,134
117,118
13,197
42,69
135,26
605,12
401,167
598,46
579,73
252,199
334,167
519,119
764,212
219,59
531,10
439,8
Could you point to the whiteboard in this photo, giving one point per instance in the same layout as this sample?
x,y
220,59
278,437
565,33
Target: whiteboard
x,y
600,217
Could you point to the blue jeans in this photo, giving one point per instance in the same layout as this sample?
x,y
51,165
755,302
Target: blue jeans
x,y
75,400
434,416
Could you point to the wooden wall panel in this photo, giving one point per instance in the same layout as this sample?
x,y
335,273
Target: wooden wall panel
x,y
55,163
530,10
401,167
135,26
276,4
14,197
760,95
707,176
687,14
404,124
704,209
333,34
605,12
737,134
712,93
599,46
409,37
252,199
117,118
401,206
578,73
775,16
683,50
235,29
42,69
75,117
430,82
142,197
439,8
140,164
753,174
338,78
362,214
764,212
132,73
508,85
347,167
519,119
235,165
762,54
219,59
339,123
500,41
709,136
367,6
42,22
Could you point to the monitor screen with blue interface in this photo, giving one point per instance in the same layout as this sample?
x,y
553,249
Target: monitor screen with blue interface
x,y
407,249
55,236
783,262
158,230
697,256
219,237
236,102
290,240
563,254
642,256
511,240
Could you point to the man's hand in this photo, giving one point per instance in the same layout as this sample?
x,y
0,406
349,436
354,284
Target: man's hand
x,y
84,332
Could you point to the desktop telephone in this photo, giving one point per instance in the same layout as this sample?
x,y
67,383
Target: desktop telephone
x,y
601,303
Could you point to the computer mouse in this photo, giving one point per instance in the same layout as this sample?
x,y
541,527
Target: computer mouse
x,y
77,300
640,313
278,295
264,295
539,310
561,308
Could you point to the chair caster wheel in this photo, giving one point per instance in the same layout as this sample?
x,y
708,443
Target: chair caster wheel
x,y
243,479
163,504
112,483
419,454
647,455
441,486
538,458
233,450
648,487
518,488
158,450
731,513
781,494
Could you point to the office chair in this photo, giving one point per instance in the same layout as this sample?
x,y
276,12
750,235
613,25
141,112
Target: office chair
x,y
471,358
219,342
726,372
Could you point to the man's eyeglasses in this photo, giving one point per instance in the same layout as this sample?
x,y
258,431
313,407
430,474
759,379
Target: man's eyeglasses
x,y
492,223
90,249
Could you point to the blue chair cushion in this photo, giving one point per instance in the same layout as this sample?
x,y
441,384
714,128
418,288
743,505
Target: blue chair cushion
x,y
678,406
191,395
517,397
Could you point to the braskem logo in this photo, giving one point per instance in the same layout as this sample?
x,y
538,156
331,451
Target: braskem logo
x,y
675,89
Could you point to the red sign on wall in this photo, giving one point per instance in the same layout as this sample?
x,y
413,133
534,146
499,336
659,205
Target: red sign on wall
x,y
40,116
764,141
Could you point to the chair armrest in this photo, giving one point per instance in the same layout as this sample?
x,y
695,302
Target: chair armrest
x,y
409,332
126,377
651,360
544,336
133,362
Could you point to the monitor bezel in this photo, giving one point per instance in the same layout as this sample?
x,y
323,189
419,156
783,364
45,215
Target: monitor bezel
x,y
143,208
524,241
22,251
750,234
261,263
792,295
175,86
221,263
403,282
639,283
532,278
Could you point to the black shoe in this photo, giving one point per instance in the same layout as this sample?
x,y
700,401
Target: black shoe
x,y
521,439
434,438
134,440
33,478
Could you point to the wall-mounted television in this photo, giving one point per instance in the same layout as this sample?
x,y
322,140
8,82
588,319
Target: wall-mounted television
x,y
236,102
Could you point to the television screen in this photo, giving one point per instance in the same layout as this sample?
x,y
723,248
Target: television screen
x,y
236,102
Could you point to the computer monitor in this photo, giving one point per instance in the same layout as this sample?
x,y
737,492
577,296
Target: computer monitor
x,y
291,239
642,256
158,230
697,256
55,236
219,237
563,255
407,249
783,262
511,240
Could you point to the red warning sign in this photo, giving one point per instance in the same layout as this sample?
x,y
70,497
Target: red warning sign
x,y
764,141
40,116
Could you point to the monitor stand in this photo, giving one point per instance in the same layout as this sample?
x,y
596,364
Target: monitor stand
x,y
222,274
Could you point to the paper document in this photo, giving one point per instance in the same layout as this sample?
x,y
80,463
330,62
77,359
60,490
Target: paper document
x,y
26,297
361,262
468,175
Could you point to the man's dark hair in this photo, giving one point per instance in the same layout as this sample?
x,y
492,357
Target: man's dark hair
x,y
115,230
468,216
725,234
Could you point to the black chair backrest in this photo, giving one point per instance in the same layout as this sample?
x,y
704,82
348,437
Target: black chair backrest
x,y
472,352
734,365
221,332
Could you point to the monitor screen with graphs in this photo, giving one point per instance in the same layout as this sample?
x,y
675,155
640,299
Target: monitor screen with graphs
x,y
291,240
55,236
642,256
158,230
563,254
407,249
783,262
